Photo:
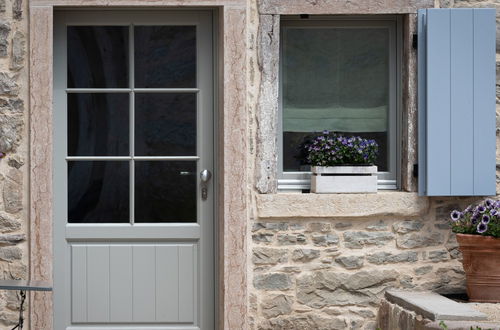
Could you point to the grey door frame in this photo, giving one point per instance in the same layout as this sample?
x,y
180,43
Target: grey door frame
x,y
138,232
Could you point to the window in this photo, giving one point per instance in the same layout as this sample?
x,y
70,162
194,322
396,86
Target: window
x,y
340,75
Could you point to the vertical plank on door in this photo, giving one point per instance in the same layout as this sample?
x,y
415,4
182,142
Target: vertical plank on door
x,y
438,102
461,80
167,279
78,283
121,283
484,102
98,283
144,283
186,283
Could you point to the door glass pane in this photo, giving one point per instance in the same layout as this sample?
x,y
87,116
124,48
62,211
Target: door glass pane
x,y
334,79
165,124
165,191
98,124
98,191
165,56
98,56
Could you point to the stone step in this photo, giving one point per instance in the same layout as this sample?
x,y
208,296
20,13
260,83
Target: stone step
x,y
433,306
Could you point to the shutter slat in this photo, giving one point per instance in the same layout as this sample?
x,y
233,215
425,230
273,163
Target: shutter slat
x,y
438,102
484,102
461,80
456,64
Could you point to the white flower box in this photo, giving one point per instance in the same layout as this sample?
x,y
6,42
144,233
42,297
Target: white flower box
x,y
343,179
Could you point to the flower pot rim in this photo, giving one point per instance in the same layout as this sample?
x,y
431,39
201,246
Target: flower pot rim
x,y
474,236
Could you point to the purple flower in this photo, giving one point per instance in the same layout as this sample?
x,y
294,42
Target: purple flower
x,y
468,209
486,219
455,215
493,213
481,209
489,203
474,219
482,227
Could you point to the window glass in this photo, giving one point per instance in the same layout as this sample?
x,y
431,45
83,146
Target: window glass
x,y
98,124
165,56
98,56
336,79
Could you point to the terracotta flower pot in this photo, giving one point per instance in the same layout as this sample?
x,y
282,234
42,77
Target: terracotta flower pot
x,y
481,261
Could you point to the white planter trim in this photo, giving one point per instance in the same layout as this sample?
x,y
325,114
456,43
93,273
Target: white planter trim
x,y
343,179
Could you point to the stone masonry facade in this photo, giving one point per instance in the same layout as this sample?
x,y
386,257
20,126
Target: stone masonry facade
x,y
14,144
322,273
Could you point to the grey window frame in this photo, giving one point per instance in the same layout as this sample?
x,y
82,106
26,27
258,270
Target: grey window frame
x,y
390,180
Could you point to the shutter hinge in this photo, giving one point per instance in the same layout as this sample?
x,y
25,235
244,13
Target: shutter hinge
x,y
415,170
414,42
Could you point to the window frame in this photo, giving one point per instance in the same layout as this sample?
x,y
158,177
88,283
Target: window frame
x,y
391,180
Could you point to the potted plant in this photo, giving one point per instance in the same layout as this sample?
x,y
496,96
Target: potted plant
x,y
341,164
478,236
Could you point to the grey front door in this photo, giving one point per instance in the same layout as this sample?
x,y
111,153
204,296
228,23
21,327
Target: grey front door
x,y
133,130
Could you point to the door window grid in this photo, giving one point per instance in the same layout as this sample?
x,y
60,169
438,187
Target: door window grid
x,y
131,90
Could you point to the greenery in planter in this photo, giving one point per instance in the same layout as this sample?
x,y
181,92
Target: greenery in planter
x,y
482,219
332,149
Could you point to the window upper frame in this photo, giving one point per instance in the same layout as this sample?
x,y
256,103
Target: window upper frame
x,y
298,181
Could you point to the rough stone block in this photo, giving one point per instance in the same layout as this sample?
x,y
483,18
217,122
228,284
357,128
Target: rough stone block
x,y
271,226
262,238
17,9
331,288
272,281
305,255
325,240
10,131
276,305
18,51
438,255
11,105
8,223
12,239
350,262
291,239
318,227
12,197
379,226
4,38
418,240
380,258
423,270
8,84
407,226
304,322
10,253
269,256
358,239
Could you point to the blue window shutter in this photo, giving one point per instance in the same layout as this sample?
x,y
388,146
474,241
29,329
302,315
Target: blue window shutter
x,y
456,102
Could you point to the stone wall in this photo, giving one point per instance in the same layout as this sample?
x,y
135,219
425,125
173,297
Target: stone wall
x,y
14,144
312,270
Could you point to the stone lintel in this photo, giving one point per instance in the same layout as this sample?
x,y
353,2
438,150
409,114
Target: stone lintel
x,y
433,306
385,203
335,7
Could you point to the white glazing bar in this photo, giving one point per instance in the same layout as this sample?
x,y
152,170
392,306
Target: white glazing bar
x,y
128,90
180,158
152,158
98,158
132,123
98,90
166,90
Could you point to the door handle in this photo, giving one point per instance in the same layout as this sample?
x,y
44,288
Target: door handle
x,y
205,176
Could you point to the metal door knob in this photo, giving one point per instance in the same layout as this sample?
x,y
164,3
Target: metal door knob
x,y
205,175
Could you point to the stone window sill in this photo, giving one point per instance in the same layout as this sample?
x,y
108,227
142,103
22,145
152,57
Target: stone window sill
x,y
383,203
